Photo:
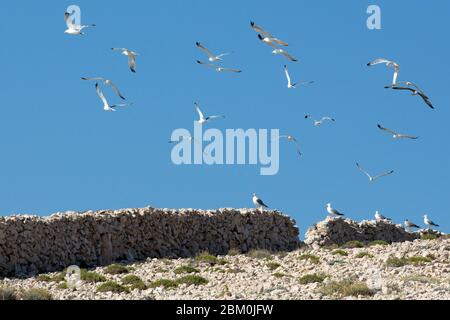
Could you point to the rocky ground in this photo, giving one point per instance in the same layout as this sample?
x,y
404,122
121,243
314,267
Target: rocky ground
x,y
409,270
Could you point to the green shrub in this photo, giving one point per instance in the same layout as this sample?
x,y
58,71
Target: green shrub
x,y
111,286
346,288
165,283
310,257
36,294
60,277
7,294
419,260
234,252
353,244
92,277
260,254
378,243
340,252
192,280
278,275
134,282
396,262
273,265
363,255
312,278
429,236
206,257
63,286
186,269
117,269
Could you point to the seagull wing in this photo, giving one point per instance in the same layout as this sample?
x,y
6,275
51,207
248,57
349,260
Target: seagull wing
x,y
116,90
386,129
119,49
93,78
287,55
327,119
383,175
132,61
210,65
406,136
378,61
261,203
200,113
100,94
204,49
68,20
363,171
287,75
231,70
259,29
215,117
280,42
396,73
403,89
426,99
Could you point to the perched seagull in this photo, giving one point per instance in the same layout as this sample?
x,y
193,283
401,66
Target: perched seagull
x,y
272,41
260,205
428,222
131,57
415,92
72,28
376,177
318,123
380,217
396,135
333,212
410,225
106,105
212,57
294,140
389,64
268,38
218,69
204,119
284,53
106,82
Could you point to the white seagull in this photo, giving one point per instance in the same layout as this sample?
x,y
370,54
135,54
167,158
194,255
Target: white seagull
x,y
390,64
284,53
380,217
106,82
72,28
291,85
218,69
267,37
106,105
131,57
260,205
428,222
415,90
212,57
318,123
204,119
372,179
294,140
333,212
396,135
410,225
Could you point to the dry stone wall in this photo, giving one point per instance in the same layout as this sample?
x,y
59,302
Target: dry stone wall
x,y
30,244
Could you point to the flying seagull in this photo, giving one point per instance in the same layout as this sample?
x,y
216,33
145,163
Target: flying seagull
x,y
131,57
396,135
212,57
260,205
72,28
106,82
272,41
380,217
333,212
284,53
415,92
390,64
410,225
267,37
294,140
291,85
204,119
218,69
106,105
318,123
372,179
428,222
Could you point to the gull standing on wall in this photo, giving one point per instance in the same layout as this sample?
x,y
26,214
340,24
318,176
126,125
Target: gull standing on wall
x,y
380,217
333,212
260,205
410,225
428,222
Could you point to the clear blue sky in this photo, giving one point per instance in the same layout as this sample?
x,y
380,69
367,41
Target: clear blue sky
x,y
61,152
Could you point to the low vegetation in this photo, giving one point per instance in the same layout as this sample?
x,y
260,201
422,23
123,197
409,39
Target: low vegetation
x,y
346,288
206,257
260,254
312,278
310,257
378,243
7,294
117,269
36,294
111,286
353,244
363,254
340,252
278,275
273,265
192,280
133,282
186,269
165,283
92,277
400,262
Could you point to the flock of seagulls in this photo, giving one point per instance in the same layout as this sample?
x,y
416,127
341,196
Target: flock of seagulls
x,y
278,48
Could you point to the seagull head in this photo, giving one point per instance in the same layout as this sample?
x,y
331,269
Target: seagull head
x,y
254,194
425,216
328,205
